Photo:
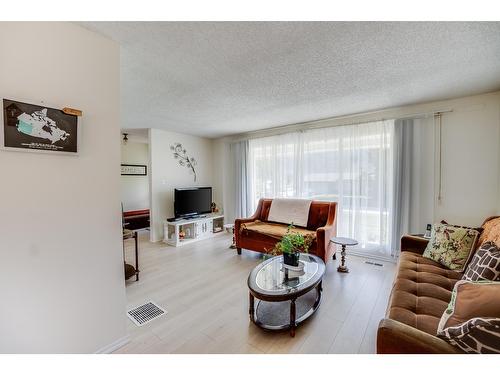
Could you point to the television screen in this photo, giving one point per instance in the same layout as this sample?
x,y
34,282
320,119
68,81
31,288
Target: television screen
x,y
192,201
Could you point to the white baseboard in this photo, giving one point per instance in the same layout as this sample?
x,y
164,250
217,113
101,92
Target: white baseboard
x,y
114,345
369,256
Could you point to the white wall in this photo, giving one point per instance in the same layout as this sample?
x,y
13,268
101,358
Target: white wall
x,y
61,284
135,189
470,159
167,174
422,176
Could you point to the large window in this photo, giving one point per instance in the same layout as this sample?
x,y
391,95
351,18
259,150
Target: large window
x,y
351,165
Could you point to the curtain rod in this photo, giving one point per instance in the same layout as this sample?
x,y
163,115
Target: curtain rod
x,y
424,114
323,123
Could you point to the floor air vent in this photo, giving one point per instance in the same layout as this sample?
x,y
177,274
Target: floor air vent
x,y
374,264
145,313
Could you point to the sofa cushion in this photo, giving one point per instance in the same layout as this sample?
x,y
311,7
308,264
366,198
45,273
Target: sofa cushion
x,y
264,236
421,292
476,335
451,245
274,230
472,318
485,264
491,231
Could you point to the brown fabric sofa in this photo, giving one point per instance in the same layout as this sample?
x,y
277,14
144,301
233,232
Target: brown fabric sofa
x,y
256,233
420,294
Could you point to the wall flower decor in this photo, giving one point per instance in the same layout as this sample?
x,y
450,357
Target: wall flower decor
x,y
181,155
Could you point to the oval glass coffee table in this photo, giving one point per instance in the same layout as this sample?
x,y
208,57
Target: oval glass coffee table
x,y
286,298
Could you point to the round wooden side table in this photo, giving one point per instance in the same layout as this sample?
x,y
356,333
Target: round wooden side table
x,y
343,241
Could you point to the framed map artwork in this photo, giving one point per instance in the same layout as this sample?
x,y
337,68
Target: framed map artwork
x,y
31,127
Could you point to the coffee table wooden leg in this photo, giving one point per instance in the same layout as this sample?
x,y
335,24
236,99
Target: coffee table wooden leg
x,y
251,310
292,318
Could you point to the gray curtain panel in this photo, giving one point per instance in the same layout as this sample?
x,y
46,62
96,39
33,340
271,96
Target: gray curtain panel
x,y
403,150
239,156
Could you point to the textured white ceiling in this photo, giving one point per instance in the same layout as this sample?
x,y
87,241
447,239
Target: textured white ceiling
x,y
219,78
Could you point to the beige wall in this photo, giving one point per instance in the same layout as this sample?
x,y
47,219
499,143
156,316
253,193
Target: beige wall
x,y
61,285
135,189
167,174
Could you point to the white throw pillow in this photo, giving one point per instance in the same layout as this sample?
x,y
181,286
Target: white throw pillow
x,y
290,211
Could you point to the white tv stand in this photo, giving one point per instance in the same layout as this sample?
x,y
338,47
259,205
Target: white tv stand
x,y
194,229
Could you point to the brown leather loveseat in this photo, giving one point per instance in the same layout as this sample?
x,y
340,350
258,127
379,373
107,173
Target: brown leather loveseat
x,y
256,233
420,294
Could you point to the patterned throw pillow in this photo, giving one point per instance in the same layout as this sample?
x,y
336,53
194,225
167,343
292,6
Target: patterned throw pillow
x,y
451,245
472,319
477,335
485,264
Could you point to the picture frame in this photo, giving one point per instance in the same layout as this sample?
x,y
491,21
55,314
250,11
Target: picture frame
x,y
29,126
134,170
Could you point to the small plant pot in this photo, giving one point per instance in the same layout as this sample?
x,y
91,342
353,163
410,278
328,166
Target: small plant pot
x,y
292,259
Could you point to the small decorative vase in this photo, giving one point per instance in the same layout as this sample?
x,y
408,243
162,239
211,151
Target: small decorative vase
x,y
292,259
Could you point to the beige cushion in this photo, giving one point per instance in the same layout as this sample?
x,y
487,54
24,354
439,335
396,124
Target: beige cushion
x,y
471,300
290,211
491,231
472,318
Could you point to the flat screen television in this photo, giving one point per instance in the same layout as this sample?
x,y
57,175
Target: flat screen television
x,y
192,201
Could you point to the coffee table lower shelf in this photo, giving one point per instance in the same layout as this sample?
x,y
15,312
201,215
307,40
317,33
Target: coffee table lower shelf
x,y
284,315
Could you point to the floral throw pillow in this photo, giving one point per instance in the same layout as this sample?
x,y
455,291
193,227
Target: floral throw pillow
x,y
452,246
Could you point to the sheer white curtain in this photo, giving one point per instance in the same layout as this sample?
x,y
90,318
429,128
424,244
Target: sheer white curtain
x,y
352,165
273,167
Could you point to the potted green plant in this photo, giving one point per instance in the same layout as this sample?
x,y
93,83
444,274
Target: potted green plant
x,y
291,245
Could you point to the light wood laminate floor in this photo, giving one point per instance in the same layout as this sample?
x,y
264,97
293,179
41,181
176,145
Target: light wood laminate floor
x,y
203,287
